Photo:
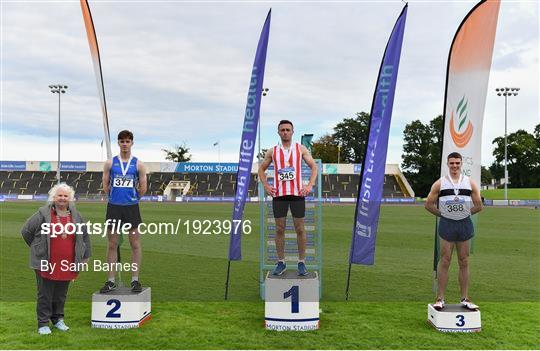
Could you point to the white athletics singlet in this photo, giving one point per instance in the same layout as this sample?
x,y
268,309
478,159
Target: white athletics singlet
x,y
287,170
455,198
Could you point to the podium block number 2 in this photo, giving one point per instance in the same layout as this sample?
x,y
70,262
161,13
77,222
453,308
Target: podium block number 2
x,y
293,292
112,312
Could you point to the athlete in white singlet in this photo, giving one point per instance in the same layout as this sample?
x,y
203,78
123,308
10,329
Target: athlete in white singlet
x,y
454,198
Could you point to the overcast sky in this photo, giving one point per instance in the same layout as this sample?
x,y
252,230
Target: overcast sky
x,y
178,72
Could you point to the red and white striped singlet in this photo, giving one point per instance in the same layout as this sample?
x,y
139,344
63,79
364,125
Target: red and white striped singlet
x,y
283,160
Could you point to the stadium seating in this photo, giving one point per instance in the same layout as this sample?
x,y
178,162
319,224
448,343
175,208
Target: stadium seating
x,y
346,185
202,184
88,184
34,183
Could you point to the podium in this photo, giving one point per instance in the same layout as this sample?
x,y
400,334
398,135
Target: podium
x,y
454,318
291,301
121,308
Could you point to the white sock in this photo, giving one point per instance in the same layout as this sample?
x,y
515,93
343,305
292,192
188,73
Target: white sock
x,y
111,280
134,278
302,261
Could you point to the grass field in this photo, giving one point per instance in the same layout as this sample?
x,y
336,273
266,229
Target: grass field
x,y
387,308
513,194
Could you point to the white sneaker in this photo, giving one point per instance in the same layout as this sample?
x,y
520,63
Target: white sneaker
x,y
439,304
469,305
44,330
60,325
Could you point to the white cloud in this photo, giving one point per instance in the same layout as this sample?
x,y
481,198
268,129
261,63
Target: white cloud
x,y
178,72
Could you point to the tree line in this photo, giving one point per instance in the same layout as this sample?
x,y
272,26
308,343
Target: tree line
x,y
421,157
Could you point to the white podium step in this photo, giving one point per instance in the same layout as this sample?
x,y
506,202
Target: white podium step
x,y
291,301
121,308
454,318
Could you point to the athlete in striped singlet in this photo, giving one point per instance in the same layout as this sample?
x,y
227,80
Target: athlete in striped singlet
x,y
454,198
288,191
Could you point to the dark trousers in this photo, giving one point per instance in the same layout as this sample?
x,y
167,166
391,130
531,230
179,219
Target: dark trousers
x,y
51,298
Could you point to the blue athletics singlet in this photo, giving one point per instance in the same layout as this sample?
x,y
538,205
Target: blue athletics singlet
x,y
124,179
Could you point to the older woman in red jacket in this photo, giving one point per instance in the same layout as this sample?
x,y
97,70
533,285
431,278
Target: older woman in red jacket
x,y
57,245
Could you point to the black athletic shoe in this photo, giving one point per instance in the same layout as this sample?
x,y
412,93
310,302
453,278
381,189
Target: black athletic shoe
x,y
136,287
108,287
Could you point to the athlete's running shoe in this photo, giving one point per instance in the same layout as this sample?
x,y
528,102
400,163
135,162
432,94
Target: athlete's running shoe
x,y
136,287
469,305
280,268
439,304
302,270
108,287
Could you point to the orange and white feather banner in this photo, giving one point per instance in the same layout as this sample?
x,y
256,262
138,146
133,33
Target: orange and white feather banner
x,y
94,51
469,64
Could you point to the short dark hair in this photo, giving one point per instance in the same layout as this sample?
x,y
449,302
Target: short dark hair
x,y
454,155
285,121
125,134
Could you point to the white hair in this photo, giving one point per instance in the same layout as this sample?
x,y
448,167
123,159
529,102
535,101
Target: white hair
x,y
63,186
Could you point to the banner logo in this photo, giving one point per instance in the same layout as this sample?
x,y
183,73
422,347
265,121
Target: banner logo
x,y
462,136
363,230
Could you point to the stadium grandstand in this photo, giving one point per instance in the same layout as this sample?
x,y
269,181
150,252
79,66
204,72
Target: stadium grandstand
x,y
179,181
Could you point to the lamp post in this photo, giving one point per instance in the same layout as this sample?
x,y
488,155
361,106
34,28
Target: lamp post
x,y
219,151
506,92
260,157
58,89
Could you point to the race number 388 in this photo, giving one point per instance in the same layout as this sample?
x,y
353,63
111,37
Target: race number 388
x,y
454,208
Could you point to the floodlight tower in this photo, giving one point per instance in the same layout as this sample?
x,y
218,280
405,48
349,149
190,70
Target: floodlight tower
x,y
506,92
58,89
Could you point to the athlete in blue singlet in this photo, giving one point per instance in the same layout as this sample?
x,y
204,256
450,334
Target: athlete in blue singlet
x,y
124,180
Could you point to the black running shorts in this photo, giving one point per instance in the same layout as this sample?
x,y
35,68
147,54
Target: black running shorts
x,y
128,214
452,230
281,204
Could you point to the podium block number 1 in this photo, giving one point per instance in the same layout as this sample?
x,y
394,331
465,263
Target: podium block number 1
x,y
112,313
293,292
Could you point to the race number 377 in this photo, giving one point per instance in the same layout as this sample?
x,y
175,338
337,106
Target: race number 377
x,y
120,182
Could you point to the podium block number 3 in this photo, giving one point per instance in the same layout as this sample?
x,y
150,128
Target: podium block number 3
x,y
112,313
293,292
461,320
